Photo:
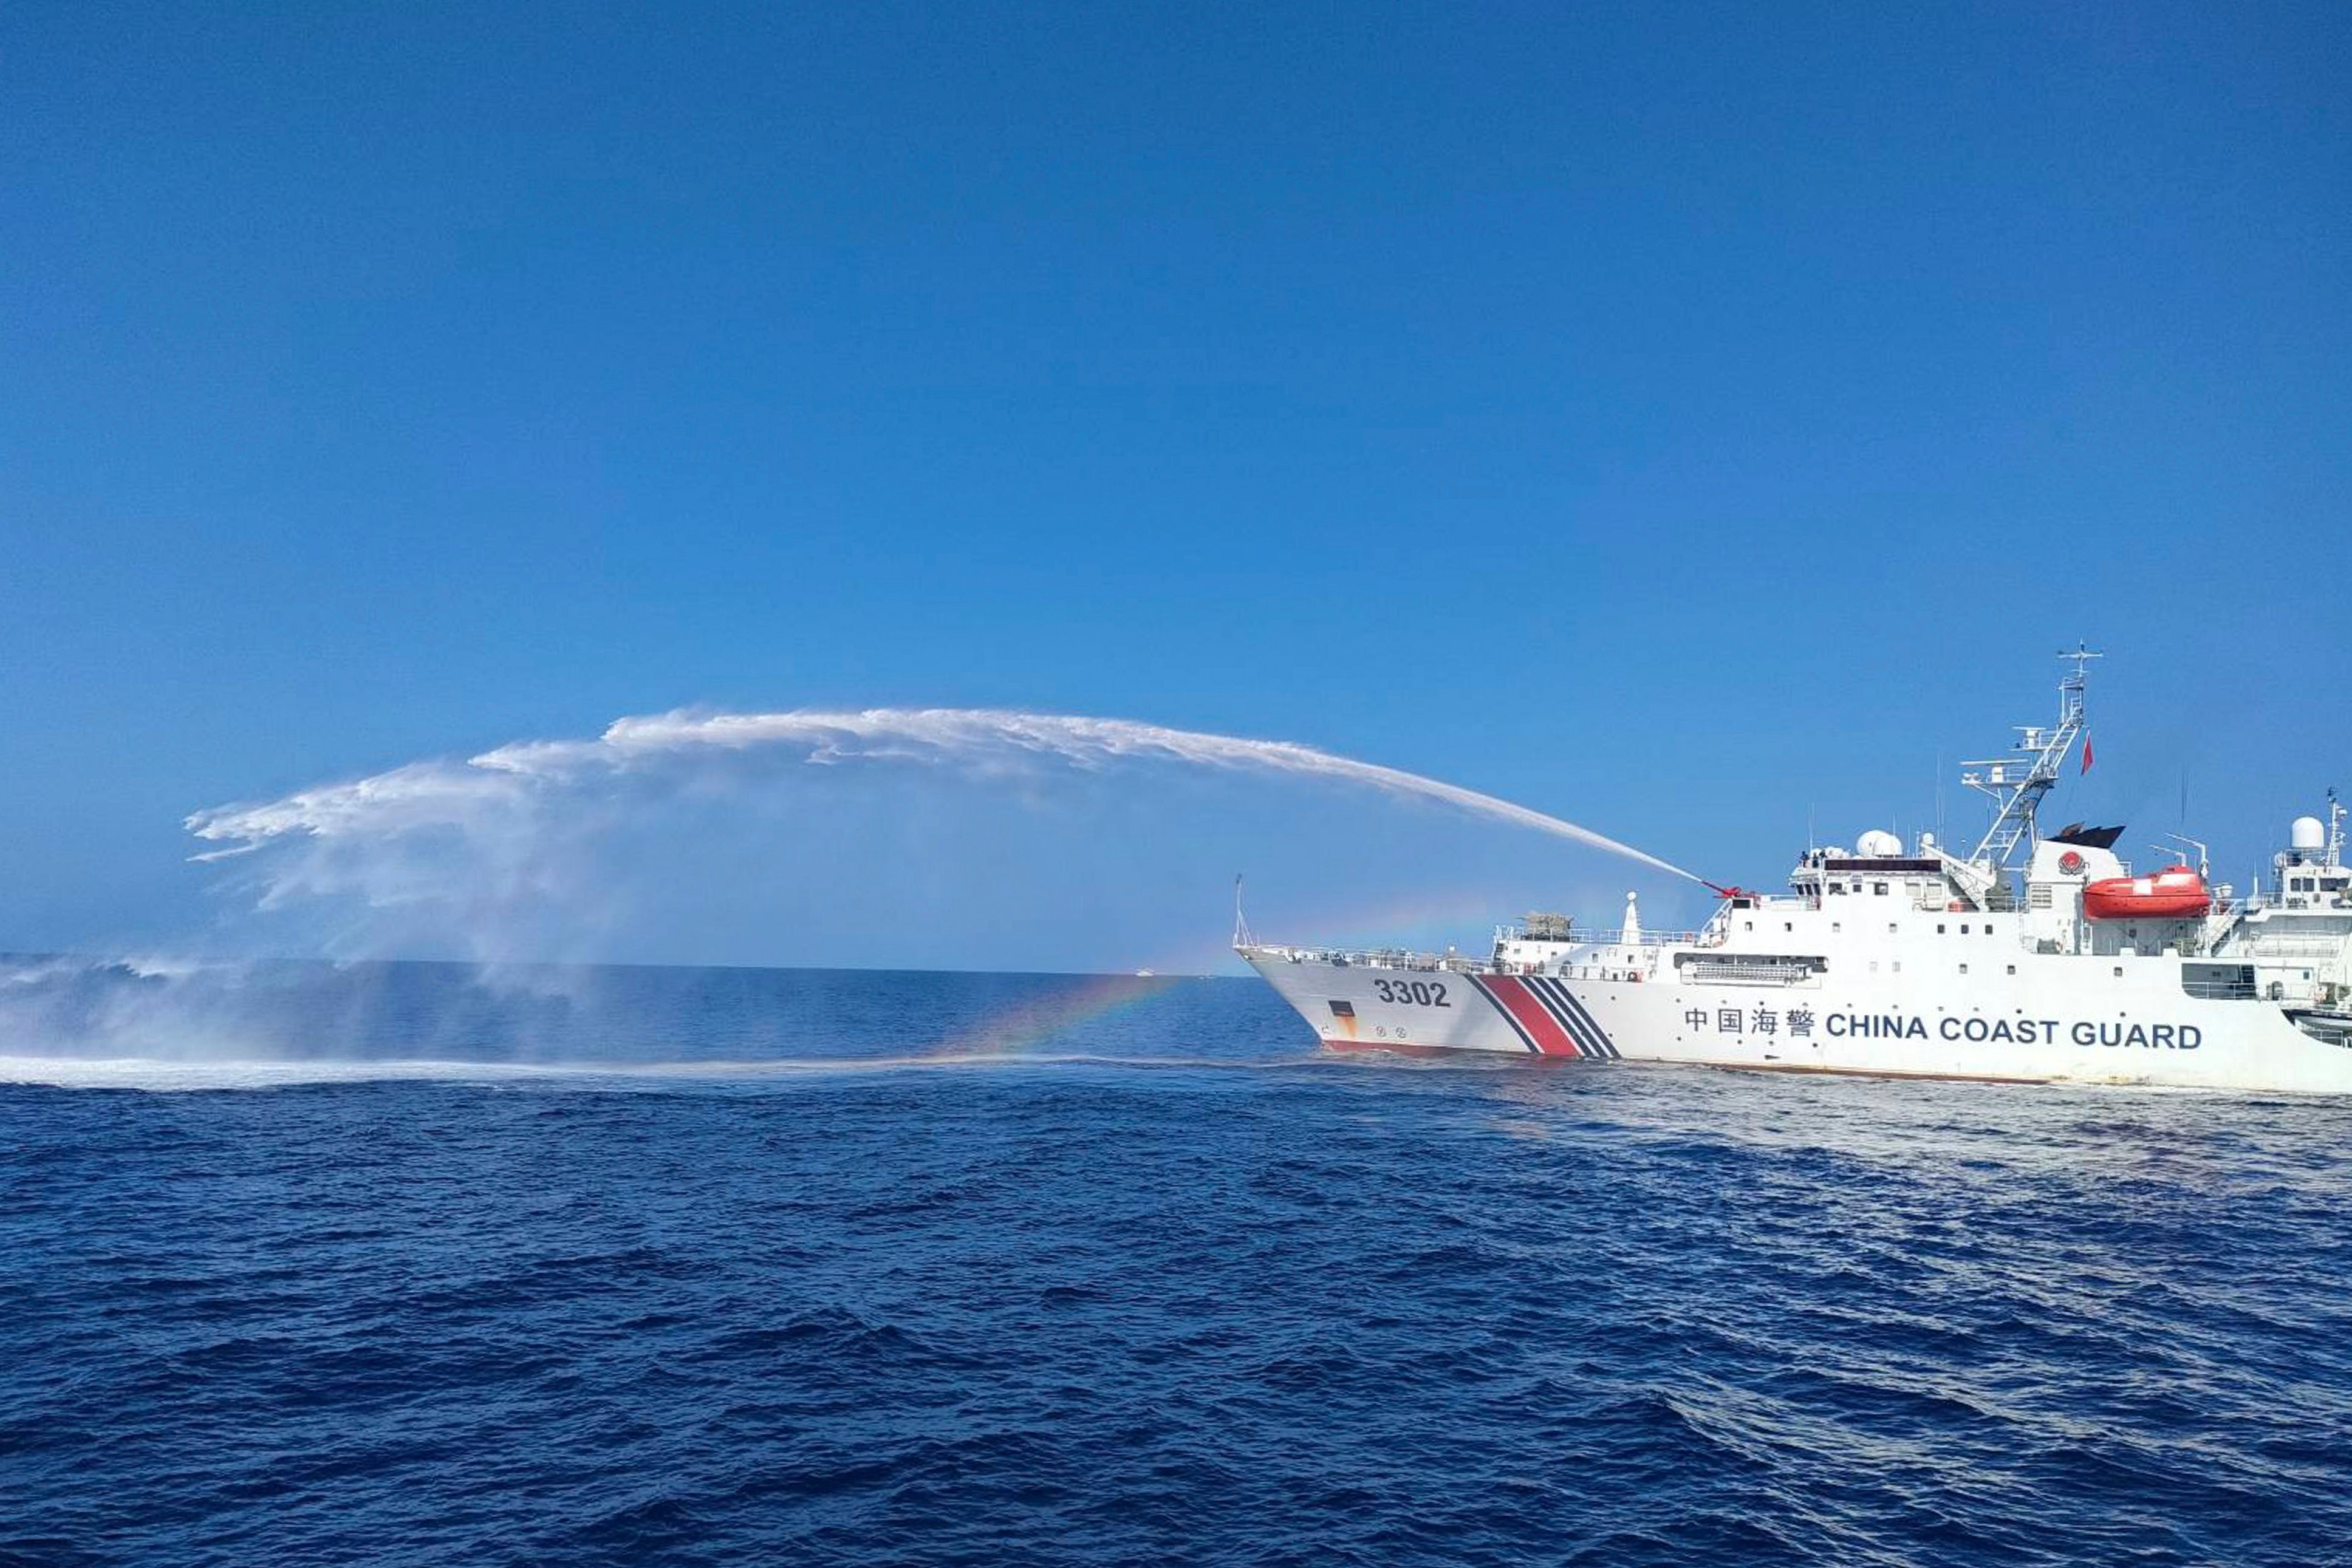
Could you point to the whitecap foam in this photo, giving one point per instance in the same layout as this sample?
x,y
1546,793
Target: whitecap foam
x,y
165,1075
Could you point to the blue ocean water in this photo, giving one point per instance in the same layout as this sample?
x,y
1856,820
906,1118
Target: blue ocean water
x,y
407,1264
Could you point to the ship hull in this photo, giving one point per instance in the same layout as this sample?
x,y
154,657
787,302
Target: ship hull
x,y
2049,1021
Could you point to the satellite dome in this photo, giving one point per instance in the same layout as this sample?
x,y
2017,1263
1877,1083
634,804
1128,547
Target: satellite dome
x,y
2306,834
1878,845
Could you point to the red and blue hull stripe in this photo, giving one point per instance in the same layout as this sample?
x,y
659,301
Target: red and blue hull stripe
x,y
1546,1016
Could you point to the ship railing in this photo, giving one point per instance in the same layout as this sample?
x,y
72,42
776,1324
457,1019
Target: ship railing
x,y
2220,990
1463,963
1582,936
2278,945
1376,958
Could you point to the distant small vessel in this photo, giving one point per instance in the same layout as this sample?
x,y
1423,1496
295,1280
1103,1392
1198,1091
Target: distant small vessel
x,y
1143,975
2033,959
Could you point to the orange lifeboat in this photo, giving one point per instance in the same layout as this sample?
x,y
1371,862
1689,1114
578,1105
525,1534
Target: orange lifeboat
x,y
2174,893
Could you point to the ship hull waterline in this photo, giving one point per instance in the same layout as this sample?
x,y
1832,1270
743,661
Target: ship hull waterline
x,y
2138,1028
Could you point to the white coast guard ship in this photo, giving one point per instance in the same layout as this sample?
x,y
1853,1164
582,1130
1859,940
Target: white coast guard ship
x,y
1912,962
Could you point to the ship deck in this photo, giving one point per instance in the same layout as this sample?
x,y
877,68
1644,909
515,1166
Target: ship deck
x,y
1409,961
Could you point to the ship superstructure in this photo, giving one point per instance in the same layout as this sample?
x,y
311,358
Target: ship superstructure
x,y
2032,956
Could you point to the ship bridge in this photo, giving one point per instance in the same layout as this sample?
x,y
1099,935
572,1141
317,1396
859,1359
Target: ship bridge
x,y
1878,867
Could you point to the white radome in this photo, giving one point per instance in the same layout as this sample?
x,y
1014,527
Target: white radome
x,y
2307,834
1878,845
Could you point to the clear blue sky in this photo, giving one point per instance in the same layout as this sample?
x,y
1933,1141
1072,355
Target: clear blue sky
x,y
1679,418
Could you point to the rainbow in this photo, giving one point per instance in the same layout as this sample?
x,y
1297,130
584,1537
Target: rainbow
x,y
1034,1020
1038,1020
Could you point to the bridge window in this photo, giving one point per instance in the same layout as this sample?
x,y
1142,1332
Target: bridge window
x,y
1878,889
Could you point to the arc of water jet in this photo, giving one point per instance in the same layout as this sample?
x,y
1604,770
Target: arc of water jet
x,y
946,734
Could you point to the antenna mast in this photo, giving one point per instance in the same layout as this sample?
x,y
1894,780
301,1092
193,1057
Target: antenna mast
x,y
1241,937
2018,786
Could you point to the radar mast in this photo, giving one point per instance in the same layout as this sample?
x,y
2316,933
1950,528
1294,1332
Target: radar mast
x,y
2016,785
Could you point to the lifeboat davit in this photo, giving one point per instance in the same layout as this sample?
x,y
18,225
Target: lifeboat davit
x,y
2177,893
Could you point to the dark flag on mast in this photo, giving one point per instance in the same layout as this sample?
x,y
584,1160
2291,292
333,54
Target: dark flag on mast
x,y
2086,754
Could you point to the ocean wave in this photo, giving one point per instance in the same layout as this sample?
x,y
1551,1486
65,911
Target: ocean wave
x,y
1167,1287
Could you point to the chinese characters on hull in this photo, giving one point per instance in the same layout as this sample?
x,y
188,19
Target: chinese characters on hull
x,y
1760,1019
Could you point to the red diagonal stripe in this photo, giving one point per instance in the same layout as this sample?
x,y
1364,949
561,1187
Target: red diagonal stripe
x,y
1541,1026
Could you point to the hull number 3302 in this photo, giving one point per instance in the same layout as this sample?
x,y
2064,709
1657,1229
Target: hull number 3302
x,y
1422,993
